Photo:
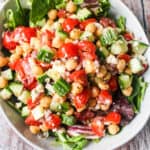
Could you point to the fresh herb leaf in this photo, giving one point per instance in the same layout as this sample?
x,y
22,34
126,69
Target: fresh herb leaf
x,y
60,4
121,22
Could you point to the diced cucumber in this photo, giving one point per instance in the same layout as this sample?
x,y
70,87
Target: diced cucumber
x,y
25,95
25,111
38,112
42,78
125,81
83,14
16,88
104,51
53,74
139,47
5,94
86,35
119,47
121,22
135,65
61,34
8,74
108,36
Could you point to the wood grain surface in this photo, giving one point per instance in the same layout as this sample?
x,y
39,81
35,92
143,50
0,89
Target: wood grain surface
x,y
10,141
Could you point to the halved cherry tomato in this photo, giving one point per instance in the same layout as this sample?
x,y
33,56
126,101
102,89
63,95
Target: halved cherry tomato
x,y
128,36
84,23
125,57
30,121
79,76
8,41
87,50
61,13
69,24
68,50
52,121
113,85
46,38
113,117
107,22
98,126
81,99
105,97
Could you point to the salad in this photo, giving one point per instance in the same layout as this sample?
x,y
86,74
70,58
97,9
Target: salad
x,y
71,70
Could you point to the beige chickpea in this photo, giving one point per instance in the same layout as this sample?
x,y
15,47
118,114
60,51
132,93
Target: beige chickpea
x,y
71,64
75,34
76,88
98,44
128,71
102,72
57,42
99,31
52,14
34,129
26,48
94,91
37,70
81,109
89,66
49,22
59,99
67,40
14,57
107,77
61,20
3,82
71,7
45,101
19,50
3,61
102,85
91,27
128,91
43,128
113,129
35,43
92,103
70,112
104,107
121,65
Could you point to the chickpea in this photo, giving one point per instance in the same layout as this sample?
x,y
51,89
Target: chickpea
x,y
89,66
95,91
104,107
92,103
58,98
76,88
102,85
71,7
45,101
81,109
102,72
121,65
99,31
61,20
3,82
49,22
3,61
71,64
67,40
19,50
98,44
34,129
128,91
107,77
43,127
26,48
14,57
91,27
70,112
75,34
52,14
35,43
113,129
57,42
37,71
128,71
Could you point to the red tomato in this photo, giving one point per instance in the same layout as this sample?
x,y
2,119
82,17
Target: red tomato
x,y
128,36
23,34
113,117
87,50
69,24
8,41
79,76
107,22
113,85
98,126
105,97
46,38
125,57
84,23
81,99
52,121
68,50
44,66
61,13
30,121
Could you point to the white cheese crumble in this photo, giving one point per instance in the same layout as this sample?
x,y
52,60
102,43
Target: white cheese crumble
x,y
111,59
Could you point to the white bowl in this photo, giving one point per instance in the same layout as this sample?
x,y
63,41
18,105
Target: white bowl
x,y
109,142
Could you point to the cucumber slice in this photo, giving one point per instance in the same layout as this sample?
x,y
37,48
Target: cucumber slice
x,y
5,94
53,74
38,112
83,14
61,34
8,74
119,47
25,111
87,36
125,81
42,78
135,65
16,88
25,95
139,47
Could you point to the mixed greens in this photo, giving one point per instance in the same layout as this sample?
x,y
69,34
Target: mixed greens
x,y
70,70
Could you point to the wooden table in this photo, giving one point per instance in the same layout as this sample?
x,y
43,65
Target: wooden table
x,y
10,141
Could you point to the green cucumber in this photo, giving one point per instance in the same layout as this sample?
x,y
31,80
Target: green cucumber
x,y
5,94
83,14
42,78
25,95
8,74
61,34
86,35
25,111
